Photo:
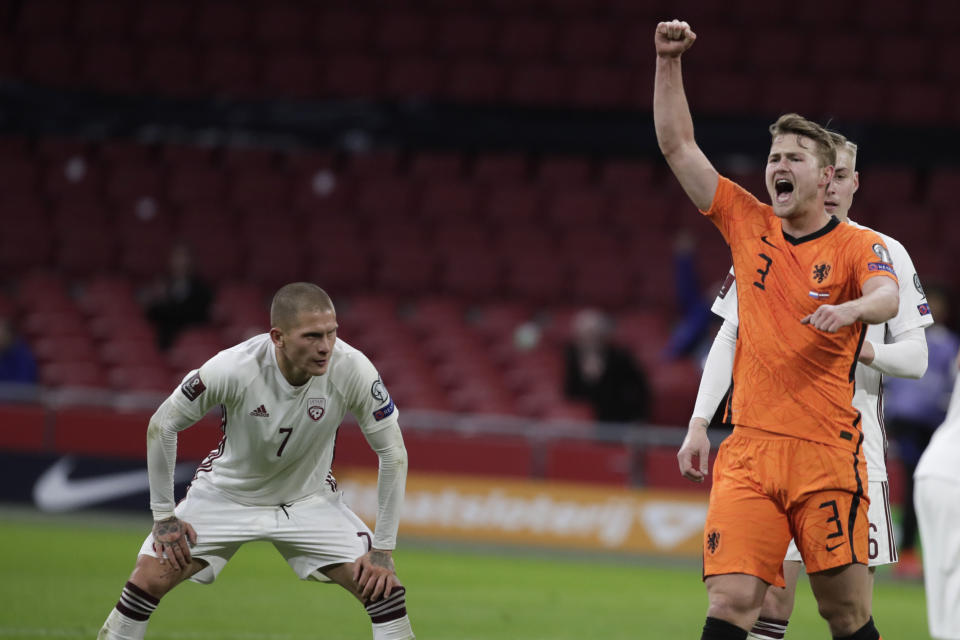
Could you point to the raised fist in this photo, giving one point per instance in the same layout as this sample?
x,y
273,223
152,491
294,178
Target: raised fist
x,y
673,38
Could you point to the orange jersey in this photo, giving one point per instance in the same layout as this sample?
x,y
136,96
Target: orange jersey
x,y
788,377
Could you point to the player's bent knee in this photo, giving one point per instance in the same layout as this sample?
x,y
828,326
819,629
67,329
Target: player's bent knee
x,y
844,615
157,578
777,603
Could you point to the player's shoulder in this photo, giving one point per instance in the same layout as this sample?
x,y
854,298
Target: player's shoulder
x,y
348,363
242,361
894,245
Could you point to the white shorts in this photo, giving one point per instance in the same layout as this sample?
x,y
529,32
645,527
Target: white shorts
x,y
937,501
312,533
883,548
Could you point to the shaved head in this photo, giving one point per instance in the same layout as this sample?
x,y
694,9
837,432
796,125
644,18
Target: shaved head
x,y
294,298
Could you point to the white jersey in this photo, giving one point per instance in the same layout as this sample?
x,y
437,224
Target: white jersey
x,y
944,449
868,396
278,440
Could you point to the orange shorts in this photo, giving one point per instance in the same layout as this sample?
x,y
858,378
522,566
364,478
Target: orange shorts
x,y
768,488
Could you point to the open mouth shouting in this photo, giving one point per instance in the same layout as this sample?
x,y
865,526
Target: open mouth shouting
x,y
783,188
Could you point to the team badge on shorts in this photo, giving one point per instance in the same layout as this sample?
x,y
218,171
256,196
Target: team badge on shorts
x,y
316,407
713,541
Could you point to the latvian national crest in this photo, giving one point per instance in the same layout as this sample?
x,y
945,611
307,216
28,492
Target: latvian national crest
x,y
316,407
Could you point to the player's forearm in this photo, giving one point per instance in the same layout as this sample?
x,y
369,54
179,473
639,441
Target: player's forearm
x,y
161,461
906,357
671,113
717,371
391,484
877,306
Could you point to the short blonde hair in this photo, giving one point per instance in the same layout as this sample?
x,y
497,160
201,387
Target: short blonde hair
x,y
825,151
295,297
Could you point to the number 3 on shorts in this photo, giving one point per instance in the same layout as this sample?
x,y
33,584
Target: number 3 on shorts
x,y
835,518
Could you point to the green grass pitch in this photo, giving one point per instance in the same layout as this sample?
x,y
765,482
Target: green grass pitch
x,y
59,577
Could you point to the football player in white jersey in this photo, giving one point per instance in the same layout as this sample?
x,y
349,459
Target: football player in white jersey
x,y
896,348
283,395
937,499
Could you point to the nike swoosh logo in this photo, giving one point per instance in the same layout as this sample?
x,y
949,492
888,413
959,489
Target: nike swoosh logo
x,y
836,546
55,491
764,240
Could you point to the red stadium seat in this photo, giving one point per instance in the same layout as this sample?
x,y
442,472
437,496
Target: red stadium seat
x,y
232,71
275,263
465,34
443,167
723,51
470,272
626,175
85,251
21,175
449,202
536,84
903,57
171,69
343,30
842,53
73,374
474,80
128,183
513,204
399,32
406,271
99,20
45,18
413,77
123,351
235,300
792,94
523,39
559,171
943,187
661,471
854,99
222,21
59,348
722,93
500,168
916,103
291,73
142,378
259,190
24,244
386,199
599,87
108,325
568,207
353,76
165,20
587,41
108,294
537,278
110,66
280,24
778,51
189,184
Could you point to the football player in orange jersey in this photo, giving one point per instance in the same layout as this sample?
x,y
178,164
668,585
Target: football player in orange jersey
x,y
794,465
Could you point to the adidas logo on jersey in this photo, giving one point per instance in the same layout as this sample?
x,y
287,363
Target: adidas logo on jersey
x,y
260,412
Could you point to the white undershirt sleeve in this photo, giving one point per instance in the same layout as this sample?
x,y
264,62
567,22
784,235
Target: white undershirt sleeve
x,y
162,457
905,357
717,372
391,483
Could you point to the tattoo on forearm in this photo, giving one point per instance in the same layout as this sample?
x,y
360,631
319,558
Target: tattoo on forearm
x,y
381,559
168,530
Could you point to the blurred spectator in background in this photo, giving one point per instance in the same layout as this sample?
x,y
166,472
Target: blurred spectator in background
x,y
694,332
178,299
17,364
604,374
913,409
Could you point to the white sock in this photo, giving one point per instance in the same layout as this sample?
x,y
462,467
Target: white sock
x,y
768,629
398,629
119,627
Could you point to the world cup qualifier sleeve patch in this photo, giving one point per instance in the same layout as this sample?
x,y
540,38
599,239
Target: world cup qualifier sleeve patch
x,y
193,387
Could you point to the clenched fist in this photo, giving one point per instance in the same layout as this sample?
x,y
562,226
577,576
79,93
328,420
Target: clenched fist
x,y
673,38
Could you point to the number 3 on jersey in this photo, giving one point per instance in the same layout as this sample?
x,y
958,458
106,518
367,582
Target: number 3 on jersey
x,y
763,272
287,431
